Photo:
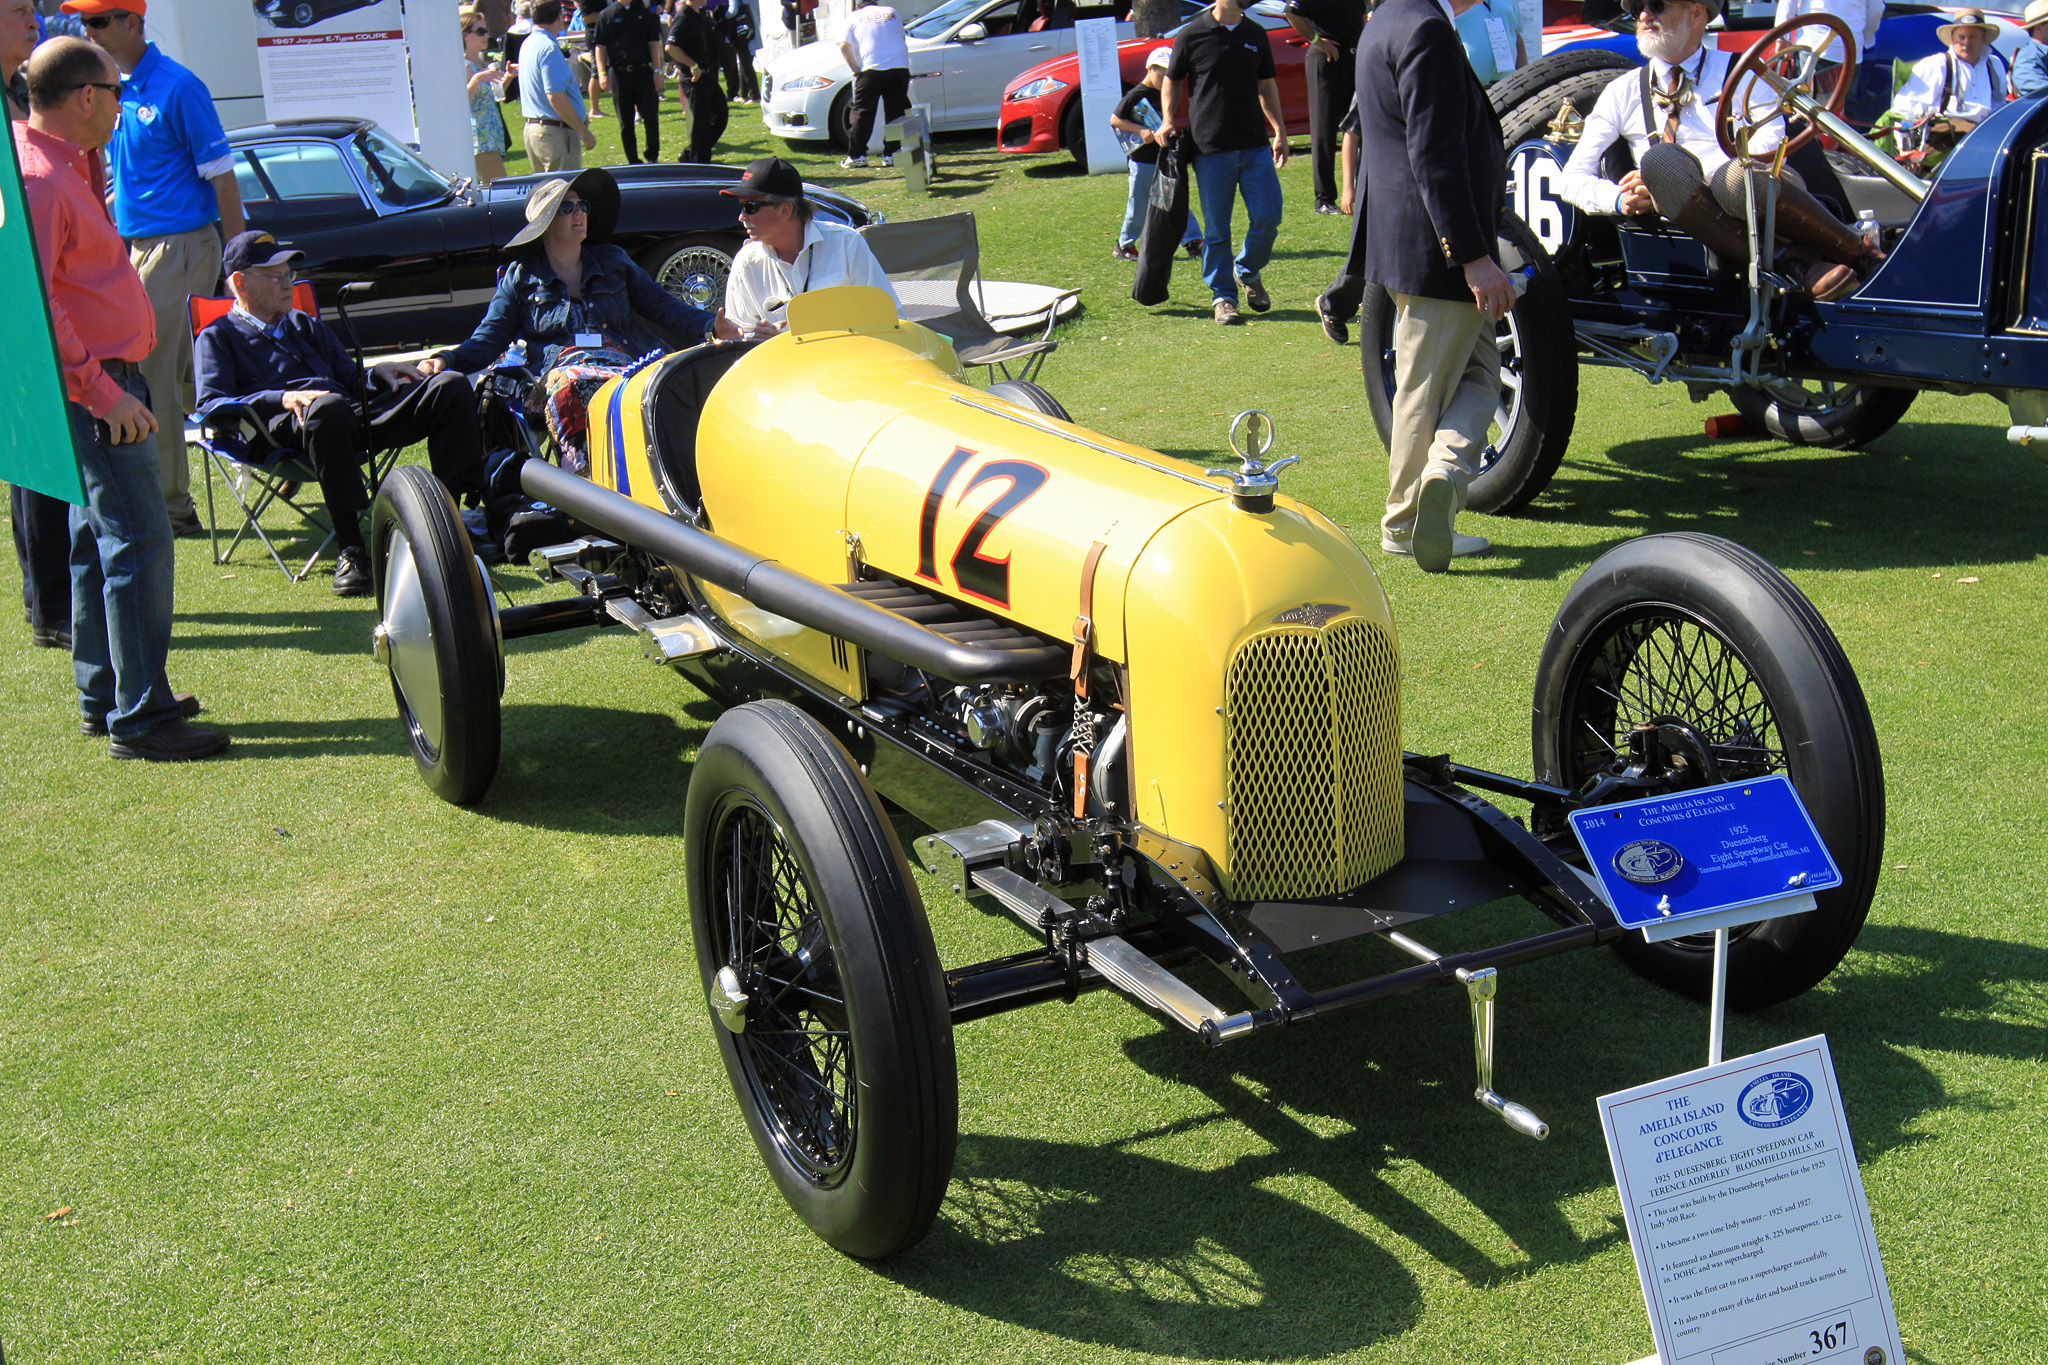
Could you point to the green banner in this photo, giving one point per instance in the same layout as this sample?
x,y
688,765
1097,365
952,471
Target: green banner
x,y
35,430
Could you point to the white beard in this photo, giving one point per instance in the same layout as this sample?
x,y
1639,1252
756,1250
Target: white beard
x,y
1665,46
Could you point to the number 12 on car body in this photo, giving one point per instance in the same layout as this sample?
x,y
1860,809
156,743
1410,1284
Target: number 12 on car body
x,y
974,573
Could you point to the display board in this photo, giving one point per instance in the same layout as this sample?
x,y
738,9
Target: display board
x,y
1747,1217
1101,87
35,427
320,58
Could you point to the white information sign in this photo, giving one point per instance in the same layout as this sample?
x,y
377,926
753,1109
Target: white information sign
x,y
1747,1217
345,58
1101,88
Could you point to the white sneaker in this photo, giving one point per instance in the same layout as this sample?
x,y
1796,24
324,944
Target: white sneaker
x,y
886,160
854,163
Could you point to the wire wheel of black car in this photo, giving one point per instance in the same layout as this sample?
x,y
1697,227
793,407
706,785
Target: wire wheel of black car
x,y
303,14
1697,631
1821,412
438,633
823,983
694,269
1539,378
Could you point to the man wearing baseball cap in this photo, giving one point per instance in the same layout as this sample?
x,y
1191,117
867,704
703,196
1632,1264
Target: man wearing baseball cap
x,y
788,251
1666,110
175,200
307,393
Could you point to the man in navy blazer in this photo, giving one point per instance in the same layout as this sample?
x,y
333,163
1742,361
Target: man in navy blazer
x,y
307,393
1432,171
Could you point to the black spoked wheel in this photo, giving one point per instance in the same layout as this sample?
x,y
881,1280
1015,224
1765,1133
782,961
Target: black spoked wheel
x,y
825,988
1819,412
1026,394
1539,378
1698,631
438,632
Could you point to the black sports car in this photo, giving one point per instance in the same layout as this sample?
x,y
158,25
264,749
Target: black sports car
x,y
362,206
301,13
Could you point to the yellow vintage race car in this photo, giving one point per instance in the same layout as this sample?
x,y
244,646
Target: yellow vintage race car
x,y
1152,713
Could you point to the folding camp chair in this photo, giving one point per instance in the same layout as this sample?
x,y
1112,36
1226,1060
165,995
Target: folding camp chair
x,y
256,477
934,264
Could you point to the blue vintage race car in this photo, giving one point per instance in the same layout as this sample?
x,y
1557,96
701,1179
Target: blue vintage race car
x,y
1961,303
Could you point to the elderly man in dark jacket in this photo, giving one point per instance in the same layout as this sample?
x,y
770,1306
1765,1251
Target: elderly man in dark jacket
x,y
1432,174
306,393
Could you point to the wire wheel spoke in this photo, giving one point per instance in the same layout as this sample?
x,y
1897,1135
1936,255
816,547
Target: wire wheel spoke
x,y
1657,667
796,1048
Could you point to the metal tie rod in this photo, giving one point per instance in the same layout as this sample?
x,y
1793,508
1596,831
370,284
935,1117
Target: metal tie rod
x,y
1480,986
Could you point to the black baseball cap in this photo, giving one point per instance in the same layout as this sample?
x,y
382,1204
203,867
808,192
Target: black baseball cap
x,y
245,249
771,175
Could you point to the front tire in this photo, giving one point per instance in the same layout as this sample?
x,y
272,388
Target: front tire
x,y
1821,413
693,268
438,633
800,899
1698,629
1539,373
839,120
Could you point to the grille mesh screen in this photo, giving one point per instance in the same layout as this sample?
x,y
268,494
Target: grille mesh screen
x,y
1312,761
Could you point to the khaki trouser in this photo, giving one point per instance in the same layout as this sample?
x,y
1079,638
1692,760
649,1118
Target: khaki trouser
x,y
1446,387
172,267
549,148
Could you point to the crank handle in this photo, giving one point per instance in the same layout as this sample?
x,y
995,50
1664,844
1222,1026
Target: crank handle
x,y
1516,1117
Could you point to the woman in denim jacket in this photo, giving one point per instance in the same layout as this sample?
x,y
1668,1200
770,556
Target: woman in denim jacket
x,y
580,305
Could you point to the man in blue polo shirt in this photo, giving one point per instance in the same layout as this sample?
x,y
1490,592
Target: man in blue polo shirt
x,y
174,197
557,126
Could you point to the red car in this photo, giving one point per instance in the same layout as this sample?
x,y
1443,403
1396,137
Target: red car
x,y
1041,110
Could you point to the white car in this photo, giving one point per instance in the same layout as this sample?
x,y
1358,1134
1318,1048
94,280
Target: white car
x,y
962,54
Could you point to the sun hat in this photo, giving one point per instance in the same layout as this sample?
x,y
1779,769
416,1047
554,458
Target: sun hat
x,y
1965,18
597,189
2037,13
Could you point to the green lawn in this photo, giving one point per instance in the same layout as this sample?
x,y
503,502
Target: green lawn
x,y
325,1070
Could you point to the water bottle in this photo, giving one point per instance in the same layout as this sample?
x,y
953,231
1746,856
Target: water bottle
x,y
1867,228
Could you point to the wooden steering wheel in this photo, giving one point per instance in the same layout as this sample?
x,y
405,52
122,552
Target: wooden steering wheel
x,y
1793,69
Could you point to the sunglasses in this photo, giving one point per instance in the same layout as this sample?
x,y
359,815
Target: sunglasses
x,y
96,22
575,206
1659,6
113,90
478,32
750,207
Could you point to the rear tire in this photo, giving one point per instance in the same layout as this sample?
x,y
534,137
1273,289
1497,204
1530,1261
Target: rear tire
x,y
1025,394
1539,378
1700,630
1816,413
438,634
1518,87
843,1062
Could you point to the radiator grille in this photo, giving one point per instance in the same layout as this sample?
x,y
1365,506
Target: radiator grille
x,y
1312,761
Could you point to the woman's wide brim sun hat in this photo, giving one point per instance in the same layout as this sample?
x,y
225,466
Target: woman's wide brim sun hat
x,y
594,187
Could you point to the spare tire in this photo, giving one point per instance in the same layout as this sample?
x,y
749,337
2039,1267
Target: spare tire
x,y
1533,116
1517,87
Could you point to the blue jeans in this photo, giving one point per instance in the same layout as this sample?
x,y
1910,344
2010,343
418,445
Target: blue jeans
x,y
1143,173
1221,177
122,565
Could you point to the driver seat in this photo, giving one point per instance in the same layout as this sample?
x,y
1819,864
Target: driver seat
x,y
670,406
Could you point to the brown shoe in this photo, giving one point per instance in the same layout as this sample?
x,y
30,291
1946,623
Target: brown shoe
x,y
1830,283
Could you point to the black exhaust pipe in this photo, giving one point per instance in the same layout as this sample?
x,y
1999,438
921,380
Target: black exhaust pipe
x,y
772,587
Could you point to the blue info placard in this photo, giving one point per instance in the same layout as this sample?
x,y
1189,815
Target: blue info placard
x,y
1699,852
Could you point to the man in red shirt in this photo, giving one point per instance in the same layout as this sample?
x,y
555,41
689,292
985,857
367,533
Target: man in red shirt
x,y
122,563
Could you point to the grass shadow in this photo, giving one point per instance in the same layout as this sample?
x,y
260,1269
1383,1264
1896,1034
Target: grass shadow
x,y
551,752
322,629
1115,1248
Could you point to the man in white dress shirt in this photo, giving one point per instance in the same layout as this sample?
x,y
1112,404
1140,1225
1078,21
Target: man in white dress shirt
x,y
1956,90
788,252
1666,111
1862,17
